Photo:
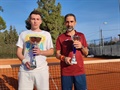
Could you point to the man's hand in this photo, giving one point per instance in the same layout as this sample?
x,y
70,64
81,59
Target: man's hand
x,y
36,51
77,44
26,63
68,61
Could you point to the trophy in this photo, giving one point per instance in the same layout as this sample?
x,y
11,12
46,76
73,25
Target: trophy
x,y
34,41
74,38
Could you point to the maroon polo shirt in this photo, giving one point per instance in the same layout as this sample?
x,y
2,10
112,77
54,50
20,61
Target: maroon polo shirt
x,y
64,43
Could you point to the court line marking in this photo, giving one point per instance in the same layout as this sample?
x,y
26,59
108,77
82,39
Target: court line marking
x,y
101,61
5,66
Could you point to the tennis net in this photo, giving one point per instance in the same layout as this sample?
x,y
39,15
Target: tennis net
x,y
101,75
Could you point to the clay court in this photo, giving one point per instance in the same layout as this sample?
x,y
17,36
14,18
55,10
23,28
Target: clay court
x,y
102,73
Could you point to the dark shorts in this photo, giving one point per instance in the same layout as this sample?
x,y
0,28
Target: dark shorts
x,y
78,81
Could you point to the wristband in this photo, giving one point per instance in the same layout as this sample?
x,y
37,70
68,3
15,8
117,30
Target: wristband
x,y
82,47
62,57
24,61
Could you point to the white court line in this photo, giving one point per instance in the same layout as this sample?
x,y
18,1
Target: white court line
x,y
101,61
5,66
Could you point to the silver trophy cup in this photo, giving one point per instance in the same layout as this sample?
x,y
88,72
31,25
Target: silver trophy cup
x,y
73,61
34,41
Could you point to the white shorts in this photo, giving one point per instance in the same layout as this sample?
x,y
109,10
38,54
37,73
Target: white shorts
x,y
38,78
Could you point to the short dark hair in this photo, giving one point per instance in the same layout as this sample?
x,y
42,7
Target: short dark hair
x,y
28,25
70,14
35,12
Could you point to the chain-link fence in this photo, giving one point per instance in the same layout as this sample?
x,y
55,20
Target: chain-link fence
x,y
105,47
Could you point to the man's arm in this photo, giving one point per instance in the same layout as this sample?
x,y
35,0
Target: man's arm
x,y
58,55
19,53
21,57
49,52
80,47
84,51
67,60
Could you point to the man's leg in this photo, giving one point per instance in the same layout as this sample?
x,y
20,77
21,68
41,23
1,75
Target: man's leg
x,y
24,81
67,82
80,82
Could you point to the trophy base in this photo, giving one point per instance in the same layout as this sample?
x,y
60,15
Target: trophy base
x,y
73,62
33,66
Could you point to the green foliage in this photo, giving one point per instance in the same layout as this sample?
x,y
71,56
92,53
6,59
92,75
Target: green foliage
x,y
8,39
2,23
1,9
8,51
53,22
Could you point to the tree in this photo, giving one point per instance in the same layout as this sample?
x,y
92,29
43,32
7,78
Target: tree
x,y
2,22
15,34
1,39
1,9
53,22
10,37
6,37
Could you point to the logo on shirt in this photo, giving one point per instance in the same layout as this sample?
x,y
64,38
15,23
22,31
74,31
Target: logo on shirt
x,y
29,44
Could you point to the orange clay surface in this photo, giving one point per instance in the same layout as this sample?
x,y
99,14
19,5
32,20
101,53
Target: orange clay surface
x,y
49,59
101,76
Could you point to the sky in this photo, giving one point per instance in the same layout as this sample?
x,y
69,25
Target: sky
x,y
92,15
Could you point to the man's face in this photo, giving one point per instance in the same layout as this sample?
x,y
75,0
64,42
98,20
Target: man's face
x,y
35,21
70,23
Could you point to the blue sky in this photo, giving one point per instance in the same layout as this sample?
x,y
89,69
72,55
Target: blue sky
x,y
90,14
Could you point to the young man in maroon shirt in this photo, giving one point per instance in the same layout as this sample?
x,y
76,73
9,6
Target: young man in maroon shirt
x,y
72,73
